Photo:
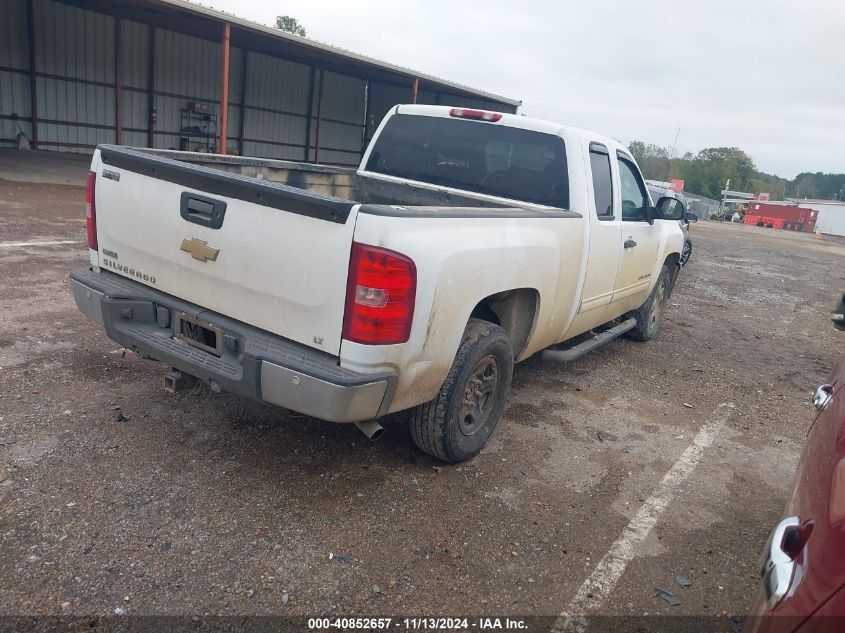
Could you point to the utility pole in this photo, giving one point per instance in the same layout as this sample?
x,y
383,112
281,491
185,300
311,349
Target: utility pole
x,y
724,197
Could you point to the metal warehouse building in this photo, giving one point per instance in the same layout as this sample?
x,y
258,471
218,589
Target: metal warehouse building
x,y
171,74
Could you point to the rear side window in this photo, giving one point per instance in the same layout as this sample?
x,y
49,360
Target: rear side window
x,y
475,156
602,181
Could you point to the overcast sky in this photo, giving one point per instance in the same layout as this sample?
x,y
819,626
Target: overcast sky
x,y
767,76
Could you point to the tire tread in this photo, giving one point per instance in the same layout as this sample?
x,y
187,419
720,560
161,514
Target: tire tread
x,y
642,332
429,422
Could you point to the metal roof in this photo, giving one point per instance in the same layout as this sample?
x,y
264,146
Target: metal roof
x,y
185,16
837,203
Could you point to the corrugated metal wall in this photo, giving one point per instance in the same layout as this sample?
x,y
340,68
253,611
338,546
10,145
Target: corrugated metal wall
x,y
135,39
276,107
236,60
341,119
283,110
383,96
74,59
186,69
14,72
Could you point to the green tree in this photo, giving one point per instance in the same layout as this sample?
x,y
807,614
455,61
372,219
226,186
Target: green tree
x,y
705,173
817,185
653,160
708,172
775,186
290,25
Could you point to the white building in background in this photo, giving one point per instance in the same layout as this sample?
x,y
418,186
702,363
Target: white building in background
x,y
831,219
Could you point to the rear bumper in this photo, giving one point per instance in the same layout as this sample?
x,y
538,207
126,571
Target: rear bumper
x,y
252,363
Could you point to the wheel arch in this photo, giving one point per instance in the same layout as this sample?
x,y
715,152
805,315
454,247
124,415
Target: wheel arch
x,y
673,262
515,311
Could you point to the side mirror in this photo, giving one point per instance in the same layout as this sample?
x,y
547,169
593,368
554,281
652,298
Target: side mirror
x,y
692,217
669,208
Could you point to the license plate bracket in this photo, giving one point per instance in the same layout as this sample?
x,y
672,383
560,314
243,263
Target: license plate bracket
x,y
198,333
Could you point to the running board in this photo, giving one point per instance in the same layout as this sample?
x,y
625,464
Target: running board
x,y
577,351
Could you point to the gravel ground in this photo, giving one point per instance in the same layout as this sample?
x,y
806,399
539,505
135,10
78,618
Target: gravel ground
x,y
115,495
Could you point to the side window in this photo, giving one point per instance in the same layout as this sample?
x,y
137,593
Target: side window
x,y
634,197
602,182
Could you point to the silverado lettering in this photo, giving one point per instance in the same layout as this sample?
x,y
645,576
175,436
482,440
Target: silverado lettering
x,y
127,270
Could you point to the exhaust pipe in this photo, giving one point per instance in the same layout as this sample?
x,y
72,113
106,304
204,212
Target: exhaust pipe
x,y
175,381
372,429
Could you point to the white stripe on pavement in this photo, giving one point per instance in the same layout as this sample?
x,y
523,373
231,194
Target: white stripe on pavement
x,y
598,586
43,243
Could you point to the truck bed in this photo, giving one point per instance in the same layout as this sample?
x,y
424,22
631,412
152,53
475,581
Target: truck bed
x,y
343,183
265,242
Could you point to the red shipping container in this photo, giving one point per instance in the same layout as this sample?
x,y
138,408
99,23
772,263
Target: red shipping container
x,y
782,217
764,220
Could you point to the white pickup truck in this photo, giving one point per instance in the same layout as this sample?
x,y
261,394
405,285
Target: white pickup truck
x,y
466,241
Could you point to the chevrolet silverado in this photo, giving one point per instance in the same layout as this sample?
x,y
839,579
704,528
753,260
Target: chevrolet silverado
x,y
466,241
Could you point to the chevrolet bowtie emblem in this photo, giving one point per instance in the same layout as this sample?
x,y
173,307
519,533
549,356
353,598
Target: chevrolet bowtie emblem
x,y
199,249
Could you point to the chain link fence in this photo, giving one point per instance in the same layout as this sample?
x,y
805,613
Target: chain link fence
x,y
701,206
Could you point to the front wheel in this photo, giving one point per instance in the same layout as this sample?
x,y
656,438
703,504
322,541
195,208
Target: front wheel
x,y
686,252
458,422
650,314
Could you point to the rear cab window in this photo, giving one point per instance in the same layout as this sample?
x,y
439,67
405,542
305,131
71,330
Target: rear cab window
x,y
476,156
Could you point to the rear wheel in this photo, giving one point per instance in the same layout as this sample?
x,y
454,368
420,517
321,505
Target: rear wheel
x,y
458,422
650,314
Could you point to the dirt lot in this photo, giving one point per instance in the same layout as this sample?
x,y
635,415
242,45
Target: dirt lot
x,y
204,503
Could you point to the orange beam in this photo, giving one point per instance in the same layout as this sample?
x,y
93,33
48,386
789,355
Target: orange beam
x,y
224,90
415,90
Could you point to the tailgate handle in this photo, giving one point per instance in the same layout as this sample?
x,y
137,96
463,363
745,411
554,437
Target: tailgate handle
x,y
202,210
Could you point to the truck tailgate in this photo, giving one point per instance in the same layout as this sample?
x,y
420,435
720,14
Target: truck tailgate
x,y
269,255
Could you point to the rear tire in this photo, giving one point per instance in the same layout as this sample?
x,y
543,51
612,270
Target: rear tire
x,y
456,425
650,314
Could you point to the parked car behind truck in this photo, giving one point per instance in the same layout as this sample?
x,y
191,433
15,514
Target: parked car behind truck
x,y
467,241
687,218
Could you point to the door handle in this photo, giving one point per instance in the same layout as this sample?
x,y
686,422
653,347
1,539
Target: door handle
x,y
629,243
202,210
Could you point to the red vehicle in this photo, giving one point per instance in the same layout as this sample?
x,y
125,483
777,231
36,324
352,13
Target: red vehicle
x,y
803,565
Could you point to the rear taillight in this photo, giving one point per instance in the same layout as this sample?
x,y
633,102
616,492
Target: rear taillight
x,y
91,210
478,115
380,296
